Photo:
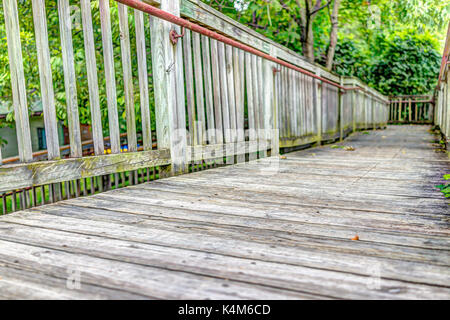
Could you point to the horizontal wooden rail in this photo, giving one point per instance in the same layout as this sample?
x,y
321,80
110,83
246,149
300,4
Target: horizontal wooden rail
x,y
15,176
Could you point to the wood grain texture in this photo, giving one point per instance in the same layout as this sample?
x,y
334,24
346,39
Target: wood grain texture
x,y
199,91
239,232
45,78
209,102
252,135
73,120
147,141
189,83
127,77
91,69
110,78
19,94
14,176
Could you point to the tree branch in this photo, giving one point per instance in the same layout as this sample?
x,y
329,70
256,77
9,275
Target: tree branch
x,y
317,7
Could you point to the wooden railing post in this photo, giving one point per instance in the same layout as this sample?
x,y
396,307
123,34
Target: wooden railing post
x,y
353,107
318,106
409,110
17,80
446,107
70,82
372,112
91,69
270,105
45,76
341,109
169,89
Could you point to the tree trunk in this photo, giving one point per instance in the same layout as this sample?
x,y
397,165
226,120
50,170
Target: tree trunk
x,y
333,34
307,36
308,45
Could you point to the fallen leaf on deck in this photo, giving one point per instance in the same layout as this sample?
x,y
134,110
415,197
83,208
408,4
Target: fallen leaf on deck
x,y
355,237
349,148
283,157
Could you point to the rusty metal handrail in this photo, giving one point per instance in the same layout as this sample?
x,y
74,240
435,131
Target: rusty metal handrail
x,y
156,12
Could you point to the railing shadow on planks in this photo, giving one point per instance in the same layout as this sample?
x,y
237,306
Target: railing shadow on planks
x,y
217,99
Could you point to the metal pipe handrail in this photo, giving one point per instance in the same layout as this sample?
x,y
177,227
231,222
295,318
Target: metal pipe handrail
x,y
156,12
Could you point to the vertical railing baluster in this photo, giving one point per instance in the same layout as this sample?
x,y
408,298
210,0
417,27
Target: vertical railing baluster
x,y
143,80
70,83
19,95
216,97
91,69
199,92
224,100
110,79
238,66
252,135
127,77
45,76
231,98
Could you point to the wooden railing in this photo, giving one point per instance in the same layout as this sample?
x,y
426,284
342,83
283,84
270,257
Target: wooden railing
x,y
411,109
442,93
214,103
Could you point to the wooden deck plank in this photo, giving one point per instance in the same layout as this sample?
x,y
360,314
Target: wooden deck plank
x,y
238,232
294,278
199,238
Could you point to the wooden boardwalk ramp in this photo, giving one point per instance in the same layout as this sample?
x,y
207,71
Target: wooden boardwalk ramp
x,y
260,230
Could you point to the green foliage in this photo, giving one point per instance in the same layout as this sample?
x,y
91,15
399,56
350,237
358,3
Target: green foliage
x,y
31,69
403,63
394,46
445,188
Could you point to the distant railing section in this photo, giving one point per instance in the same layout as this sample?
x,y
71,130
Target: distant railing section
x,y
219,96
411,109
442,93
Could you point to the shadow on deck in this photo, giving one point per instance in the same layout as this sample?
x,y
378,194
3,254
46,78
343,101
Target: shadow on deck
x,y
261,230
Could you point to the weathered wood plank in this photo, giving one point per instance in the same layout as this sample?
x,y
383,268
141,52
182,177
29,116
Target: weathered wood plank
x,y
91,69
143,80
19,95
133,278
199,92
232,267
225,104
149,231
167,62
238,67
73,121
108,58
189,82
127,77
252,134
231,95
216,91
209,104
16,176
45,79
262,145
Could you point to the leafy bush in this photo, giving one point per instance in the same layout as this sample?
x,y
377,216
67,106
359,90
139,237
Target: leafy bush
x,y
407,64
445,188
